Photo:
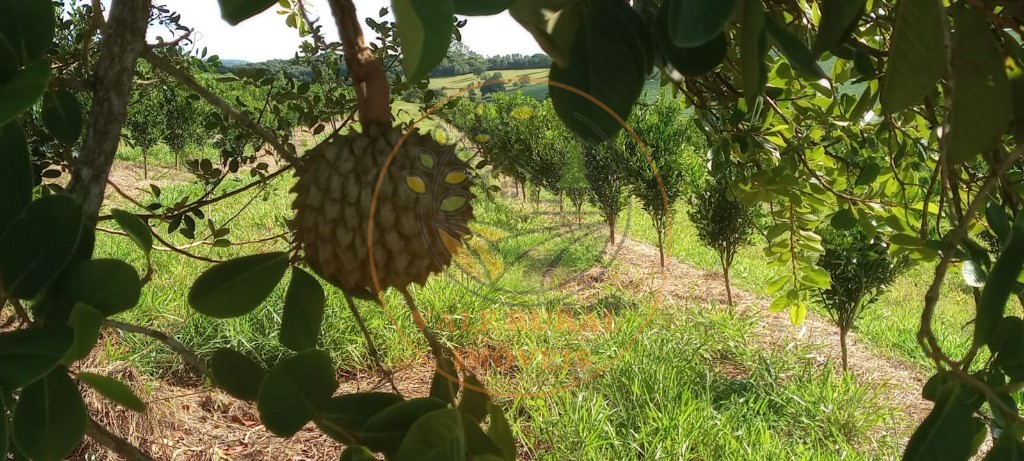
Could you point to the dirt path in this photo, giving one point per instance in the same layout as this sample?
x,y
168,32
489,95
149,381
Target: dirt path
x,y
899,381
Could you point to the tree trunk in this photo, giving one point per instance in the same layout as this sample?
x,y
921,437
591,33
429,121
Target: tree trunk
x,y
842,346
728,285
123,40
145,163
611,228
661,246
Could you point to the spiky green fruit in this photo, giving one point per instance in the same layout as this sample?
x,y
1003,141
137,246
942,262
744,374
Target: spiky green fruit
x,y
421,208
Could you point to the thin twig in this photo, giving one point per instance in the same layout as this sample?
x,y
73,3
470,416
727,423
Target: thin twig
x,y
374,353
189,357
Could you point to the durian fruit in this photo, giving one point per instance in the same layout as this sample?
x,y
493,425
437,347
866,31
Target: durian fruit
x,y
422,213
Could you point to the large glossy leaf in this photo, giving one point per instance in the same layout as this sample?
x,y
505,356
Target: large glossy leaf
x,y
344,416
500,431
236,11
445,384
113,390
62,116
1008,345
753,50
237,287
999,284
838,20
691,61
111,286
917,58
480,7
296,391
136,229
554,33
15,173
86,323
945,433
27,355
237,374
794,49
38,244
436,435
425,31
50,419
694,22
604,65
22,90
385,430
982,100
479,445
475,399
303,312
26,33
1007,448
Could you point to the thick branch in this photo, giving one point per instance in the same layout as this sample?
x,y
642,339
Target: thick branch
x,y
123,40
241,118
368,77
174,345
114,443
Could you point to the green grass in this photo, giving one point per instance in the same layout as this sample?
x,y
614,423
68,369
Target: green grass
x,y
890,325
693,385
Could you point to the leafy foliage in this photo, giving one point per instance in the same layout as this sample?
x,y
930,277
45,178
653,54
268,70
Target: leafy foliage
x,y
722,221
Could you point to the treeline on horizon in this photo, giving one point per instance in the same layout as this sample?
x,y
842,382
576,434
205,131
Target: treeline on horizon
x,y
460,61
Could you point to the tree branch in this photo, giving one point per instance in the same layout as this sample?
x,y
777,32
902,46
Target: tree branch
x,y
124,38
371,83
115,443
174,345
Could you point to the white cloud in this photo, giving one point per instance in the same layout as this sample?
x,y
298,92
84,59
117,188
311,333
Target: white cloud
x,y
266,36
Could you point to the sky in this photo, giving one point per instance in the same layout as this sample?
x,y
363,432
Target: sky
x,y
266,37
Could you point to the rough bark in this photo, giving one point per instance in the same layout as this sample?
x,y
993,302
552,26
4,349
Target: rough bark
x,y
123,41
842,345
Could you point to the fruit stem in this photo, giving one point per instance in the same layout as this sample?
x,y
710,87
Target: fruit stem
x,y
373,92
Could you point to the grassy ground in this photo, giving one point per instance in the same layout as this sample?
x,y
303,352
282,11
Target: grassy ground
x,y
537,89
676,393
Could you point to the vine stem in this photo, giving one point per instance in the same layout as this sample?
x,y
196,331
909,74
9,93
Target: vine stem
x,y
371,348
115,443
373,91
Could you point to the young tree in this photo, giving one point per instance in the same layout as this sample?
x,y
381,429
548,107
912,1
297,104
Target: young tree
x,y
574,180
659,181
723,222
603,170
145,125
860,268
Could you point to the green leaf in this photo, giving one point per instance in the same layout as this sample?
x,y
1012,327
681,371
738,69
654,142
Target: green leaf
x,y
23,90
797,313
480,7
944,433
344,416
815,276
698,60
50,419
425,31
475,398
136,229
794,49
999,284
295,391
357,453
38,244
15,173
974,275
695,22
113,390
1008,346
753,50
86,323
236,374
27,355
26,33
1008,447
445,384
838,20
501,433
917,58
237,287
479,445
303,312
844,219
982,100
435,436
385,430
111,286
236,11
868,175
604,64
998,221
62,116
